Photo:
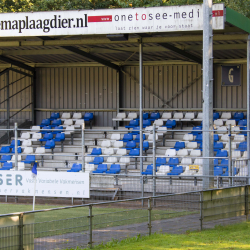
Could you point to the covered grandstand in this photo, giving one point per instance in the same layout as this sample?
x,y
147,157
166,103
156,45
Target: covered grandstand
x,y
62,81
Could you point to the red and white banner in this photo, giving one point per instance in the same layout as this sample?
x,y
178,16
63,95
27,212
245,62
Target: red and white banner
x,y
109,21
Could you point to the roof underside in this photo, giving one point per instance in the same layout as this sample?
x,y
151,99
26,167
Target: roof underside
x,y
230,46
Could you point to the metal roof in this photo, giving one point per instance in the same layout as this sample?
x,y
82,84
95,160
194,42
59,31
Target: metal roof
x,y
229,46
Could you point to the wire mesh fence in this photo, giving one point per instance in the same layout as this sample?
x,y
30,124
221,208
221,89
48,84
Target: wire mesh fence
x,y
91,224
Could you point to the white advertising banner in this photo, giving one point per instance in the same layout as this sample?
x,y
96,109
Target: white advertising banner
x,y
108,21
48,184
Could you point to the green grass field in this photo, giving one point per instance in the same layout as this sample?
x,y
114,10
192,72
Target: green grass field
x,y
233,237
76,219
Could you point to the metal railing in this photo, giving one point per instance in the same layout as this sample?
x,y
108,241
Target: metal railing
x,y
152,182
91,224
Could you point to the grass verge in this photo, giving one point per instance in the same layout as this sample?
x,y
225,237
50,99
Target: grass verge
x,y
76,219
233,237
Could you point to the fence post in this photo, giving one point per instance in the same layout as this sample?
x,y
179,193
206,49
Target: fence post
x,y
230,155
21,231
149,216
246,202
16,166
201,210
90,227
142,190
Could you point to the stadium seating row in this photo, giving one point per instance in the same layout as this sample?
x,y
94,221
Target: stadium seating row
x,y
178,116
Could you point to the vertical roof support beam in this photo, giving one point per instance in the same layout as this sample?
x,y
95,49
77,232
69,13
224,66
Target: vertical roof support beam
x,y
248,105
141,107
208,168
8,103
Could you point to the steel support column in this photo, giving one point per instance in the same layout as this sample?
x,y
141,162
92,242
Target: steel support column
x,y
207,93
154,162
248,105
141,103
83,146
118,74
8,104
141,108
33,98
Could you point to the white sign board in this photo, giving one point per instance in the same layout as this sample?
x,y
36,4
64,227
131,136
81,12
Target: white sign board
x,y
48,184
109,21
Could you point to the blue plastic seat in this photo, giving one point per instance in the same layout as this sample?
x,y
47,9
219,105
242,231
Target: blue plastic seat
x,y
170,124
137,138
50,144
224,163
12,145
173,161
154,116
243,132
102,168
56,123
76,167
114,169
45,122
96,151
216,162
134,152
97,160
145,145
60,137
58,131
132,124
227,174
216,116
19,150
176,170
30,159
46,129
199,138
47,136
130,145
54,116
149,170
160,161
218,171
221,153
146,123
127,137
144,116
242,123
7,166
136,130
216,138
88,116
242,146
5,158
196,130
238,116
5,150
218,146
179,145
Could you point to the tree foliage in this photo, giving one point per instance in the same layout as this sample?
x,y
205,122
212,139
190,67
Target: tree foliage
x,y
241,6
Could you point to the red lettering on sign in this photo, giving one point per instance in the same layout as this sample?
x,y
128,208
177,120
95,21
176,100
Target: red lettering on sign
x,y
93,19
217,13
